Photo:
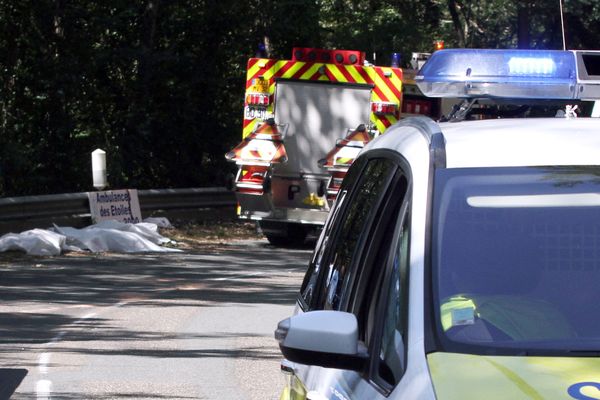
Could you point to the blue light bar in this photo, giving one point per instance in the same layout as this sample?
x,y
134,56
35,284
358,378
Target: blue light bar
x,y
518,74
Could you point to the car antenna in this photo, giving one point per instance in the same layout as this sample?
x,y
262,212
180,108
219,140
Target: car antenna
x,y
562,24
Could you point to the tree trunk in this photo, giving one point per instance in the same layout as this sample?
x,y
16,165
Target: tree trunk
x,y
453,9
148,38
523,39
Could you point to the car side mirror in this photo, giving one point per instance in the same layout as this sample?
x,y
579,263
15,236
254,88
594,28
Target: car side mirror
x,y
325,338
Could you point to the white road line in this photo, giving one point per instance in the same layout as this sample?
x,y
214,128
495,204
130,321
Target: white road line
x,y
43,387
43,361
227,278
50,309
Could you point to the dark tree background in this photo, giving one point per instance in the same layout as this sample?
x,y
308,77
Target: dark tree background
x,y
158,84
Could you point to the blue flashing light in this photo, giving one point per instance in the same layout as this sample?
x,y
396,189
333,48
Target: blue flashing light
x,y
470,73
396,60
531,66
261,50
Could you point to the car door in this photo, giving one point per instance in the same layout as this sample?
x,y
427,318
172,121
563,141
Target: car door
x,y
360,262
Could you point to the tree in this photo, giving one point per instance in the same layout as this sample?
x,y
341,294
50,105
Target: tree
x,y
159,84
524,24
381,27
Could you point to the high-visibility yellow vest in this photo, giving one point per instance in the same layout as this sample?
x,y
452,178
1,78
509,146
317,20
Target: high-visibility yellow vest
x,y
519,317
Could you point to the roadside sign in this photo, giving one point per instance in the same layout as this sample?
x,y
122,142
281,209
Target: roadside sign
x,y
121,205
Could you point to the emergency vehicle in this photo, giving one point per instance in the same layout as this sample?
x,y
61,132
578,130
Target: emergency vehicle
x,y
414,102
461,260
295,112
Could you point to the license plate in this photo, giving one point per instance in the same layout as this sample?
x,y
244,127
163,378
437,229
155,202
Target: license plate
x,y
252,112
259,86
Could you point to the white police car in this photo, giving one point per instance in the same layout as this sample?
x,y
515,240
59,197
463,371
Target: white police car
x,y
462,259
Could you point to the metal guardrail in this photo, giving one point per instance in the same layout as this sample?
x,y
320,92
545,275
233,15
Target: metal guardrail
x,y
72,209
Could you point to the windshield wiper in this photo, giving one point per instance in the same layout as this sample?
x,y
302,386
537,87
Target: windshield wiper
x,y
558,352
584,353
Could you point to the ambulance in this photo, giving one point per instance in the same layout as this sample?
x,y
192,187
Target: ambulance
x,y
461,260
295,113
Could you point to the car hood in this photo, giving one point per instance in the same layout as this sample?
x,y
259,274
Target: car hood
x,y
465,376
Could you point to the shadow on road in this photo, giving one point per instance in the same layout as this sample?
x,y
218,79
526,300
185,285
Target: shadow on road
x,y
102,279
245,273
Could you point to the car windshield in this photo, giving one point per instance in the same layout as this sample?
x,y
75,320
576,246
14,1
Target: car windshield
x,y
516,259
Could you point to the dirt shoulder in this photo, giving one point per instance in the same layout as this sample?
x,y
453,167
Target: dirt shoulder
x,y
197,235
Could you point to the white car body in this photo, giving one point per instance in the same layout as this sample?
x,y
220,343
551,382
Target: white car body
x,y
423,147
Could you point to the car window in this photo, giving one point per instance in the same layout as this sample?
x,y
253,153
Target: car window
x,y
352,224
309,286
392,348
377,287
364,264
379,293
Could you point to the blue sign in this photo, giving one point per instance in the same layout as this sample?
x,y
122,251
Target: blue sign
x,y
575,390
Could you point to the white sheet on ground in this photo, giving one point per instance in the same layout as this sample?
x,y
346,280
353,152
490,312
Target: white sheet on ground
x,y
161,222
110,236
37,242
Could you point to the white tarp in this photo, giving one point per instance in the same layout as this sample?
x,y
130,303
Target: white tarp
x,y
37,242
110,236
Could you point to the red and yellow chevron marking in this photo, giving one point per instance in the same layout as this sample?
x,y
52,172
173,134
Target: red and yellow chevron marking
x,y
386,82
344,161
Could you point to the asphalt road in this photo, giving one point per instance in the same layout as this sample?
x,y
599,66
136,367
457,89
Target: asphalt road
x,y
193,325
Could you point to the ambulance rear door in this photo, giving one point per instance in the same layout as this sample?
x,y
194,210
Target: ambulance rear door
x,y
317,114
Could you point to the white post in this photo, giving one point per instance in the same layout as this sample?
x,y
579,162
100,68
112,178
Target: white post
x,y
99,169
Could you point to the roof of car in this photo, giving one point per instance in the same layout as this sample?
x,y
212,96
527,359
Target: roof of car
x,y
522,142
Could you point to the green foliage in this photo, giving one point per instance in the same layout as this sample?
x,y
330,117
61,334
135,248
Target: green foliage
x,y
381,27
526,23
159,84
